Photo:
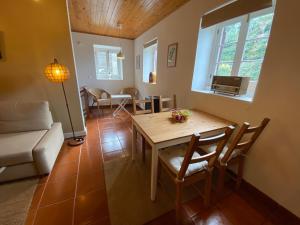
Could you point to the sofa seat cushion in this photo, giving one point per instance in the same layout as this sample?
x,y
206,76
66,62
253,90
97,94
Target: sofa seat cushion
x,y
16,148
173,157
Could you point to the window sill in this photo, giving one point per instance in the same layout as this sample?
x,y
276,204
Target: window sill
x,y
239,98
148,83
110,79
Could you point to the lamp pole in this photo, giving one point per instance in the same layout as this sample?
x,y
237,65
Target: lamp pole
x,y
67,104
76,140
58,73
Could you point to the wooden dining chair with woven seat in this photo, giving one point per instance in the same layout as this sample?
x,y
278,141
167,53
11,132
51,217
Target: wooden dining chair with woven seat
x,y
137,110
186,166
100,97
236,152
134,92
170,102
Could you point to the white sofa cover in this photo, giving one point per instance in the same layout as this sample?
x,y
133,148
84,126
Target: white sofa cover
x,y
29,140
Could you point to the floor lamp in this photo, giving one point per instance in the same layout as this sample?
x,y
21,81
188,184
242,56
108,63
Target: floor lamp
x,y
58,73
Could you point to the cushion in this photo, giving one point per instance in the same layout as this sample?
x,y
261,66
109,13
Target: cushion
x,y
24,116
212,148
173,158
17,148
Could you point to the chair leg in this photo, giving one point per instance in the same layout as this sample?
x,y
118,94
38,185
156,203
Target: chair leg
x,y
178,202
240,173
221,179
103,114
144,148
207,190
98,106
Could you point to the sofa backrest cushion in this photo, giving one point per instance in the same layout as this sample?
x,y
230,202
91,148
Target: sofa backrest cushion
x,y
24,116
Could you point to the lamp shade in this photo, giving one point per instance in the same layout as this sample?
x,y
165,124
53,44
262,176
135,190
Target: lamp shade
x,y
121,55
56,72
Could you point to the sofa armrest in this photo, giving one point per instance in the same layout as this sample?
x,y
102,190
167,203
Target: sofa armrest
x,y
46,151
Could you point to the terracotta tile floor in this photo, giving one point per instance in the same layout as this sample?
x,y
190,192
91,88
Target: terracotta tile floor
x,y
74,193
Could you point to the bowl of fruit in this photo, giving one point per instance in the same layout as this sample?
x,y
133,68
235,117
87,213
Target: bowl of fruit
x,y
180,116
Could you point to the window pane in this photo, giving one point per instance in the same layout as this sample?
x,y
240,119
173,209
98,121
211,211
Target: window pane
x,y
224,69
250,69
230,33
149,61
255,49
101,64
113,63
228,53
260,26
107,64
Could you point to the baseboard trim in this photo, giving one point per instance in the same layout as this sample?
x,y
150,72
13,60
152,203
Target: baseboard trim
x,y
81,133
282,213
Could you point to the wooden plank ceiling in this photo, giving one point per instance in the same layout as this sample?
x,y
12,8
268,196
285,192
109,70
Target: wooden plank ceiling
x,y
102,16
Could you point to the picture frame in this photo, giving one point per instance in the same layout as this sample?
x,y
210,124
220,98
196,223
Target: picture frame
x,y
137,62
172,55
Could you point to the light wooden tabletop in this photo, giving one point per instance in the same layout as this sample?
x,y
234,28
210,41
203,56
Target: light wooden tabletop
x,y
159,127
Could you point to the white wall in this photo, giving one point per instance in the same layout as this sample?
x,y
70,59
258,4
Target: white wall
x,y
273,164
85,62
34,33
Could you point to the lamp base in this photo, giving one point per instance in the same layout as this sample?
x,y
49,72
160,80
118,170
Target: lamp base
x,y
76,141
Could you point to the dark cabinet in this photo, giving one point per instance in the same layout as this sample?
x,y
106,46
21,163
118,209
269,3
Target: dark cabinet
x,y
156,103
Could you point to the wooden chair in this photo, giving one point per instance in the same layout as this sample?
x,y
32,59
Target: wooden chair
x,y
134,92
143,111
100,97
235,152
187,166
84,103
168,101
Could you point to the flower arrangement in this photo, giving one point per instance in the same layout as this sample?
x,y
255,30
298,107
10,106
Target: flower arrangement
x,y
180,116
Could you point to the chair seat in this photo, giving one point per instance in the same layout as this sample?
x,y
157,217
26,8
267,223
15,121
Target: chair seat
x,y
174,156
211,148
101,100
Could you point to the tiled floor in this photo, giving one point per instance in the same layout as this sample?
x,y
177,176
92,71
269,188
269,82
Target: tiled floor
x,y
74,193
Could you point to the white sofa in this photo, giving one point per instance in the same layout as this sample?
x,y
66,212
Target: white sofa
x,y
29,140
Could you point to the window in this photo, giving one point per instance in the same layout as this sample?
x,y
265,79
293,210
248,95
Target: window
x,y
149,59
108,66
238,48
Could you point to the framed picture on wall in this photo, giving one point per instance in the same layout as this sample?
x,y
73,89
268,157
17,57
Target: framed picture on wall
x,y
172,54
138,62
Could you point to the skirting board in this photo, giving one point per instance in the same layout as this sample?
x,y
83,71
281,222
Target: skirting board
x,y
81,133
282,214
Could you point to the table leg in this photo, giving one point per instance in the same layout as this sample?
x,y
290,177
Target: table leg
x,y
154,168
121,106
117,110
134,140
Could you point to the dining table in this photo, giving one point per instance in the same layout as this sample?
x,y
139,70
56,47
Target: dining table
x,y
161,131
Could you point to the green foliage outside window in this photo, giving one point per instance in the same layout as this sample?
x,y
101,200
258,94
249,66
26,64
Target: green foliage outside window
x,y
254,49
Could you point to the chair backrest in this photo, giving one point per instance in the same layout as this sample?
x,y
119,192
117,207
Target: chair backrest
x,y
239,142
168,101
134,92
196,142
97,93
141,101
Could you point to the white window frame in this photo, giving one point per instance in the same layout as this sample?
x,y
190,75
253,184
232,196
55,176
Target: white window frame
x,y
145,77
108,49
240,43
